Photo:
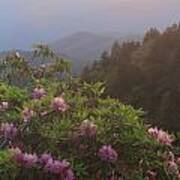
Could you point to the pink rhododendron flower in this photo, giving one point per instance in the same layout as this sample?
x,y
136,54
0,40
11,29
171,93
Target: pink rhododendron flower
x,y
171,163
172,167
8,130
164,138
30,160
178,160
45,158
64,170
108,154
161,136
64,165
88,128
153,132
24,159
59,104
38,93
27,114
57,167
68,175
49,166
61,168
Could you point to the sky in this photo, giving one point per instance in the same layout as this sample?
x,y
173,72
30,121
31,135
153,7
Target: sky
x,y
24,22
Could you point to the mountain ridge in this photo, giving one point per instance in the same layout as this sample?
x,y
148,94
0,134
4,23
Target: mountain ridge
x,y
82,47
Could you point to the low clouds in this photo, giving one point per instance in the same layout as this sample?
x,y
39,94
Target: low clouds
x,y
34,20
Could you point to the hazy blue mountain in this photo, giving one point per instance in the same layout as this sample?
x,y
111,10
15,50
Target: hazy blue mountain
x,y
81,48
84,47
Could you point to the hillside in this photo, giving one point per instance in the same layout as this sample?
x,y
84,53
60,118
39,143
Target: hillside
x,y
144,75
84,47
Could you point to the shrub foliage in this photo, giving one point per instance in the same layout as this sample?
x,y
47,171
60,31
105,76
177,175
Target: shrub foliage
x,y
54,126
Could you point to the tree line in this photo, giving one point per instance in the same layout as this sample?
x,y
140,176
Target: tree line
x,y
144,74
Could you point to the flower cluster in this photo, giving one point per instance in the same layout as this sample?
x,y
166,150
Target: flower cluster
x,y
88,129
9,131
108,154
29,160
27,114
4,106
44,158
60,168
59,104
38,93
172,164
160,135
172,167
24,159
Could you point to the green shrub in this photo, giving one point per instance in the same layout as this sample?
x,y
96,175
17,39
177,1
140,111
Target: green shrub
x,y
76,128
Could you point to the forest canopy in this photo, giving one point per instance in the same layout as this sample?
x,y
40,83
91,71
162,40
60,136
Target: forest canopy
x,y
144,74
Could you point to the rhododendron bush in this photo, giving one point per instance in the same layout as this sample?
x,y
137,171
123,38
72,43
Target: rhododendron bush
x,y
57,127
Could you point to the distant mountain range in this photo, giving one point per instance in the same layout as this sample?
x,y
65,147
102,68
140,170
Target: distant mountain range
x,y
83,48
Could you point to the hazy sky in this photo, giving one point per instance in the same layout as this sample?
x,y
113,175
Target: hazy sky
x,y
23,22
